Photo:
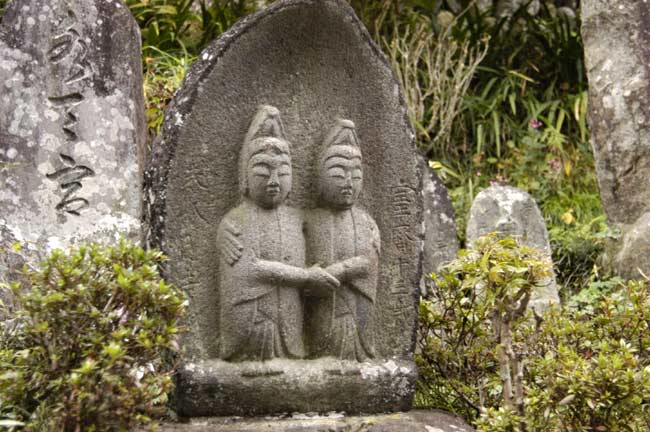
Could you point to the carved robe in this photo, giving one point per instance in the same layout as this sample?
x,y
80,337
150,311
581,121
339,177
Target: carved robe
x,y
341,324
261,309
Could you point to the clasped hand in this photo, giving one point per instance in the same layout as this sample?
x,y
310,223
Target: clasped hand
x,y
319,282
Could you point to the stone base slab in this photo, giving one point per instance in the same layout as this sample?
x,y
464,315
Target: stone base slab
x,y
218,388
414,421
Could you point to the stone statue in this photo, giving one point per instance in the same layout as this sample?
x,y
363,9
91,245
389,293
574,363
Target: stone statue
x,y
262,266
344,239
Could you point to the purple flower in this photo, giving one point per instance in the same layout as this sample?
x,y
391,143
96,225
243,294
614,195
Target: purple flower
x,y
555,164
499,180
535,124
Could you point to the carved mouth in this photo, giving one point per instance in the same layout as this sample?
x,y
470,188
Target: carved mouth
x,y
273,191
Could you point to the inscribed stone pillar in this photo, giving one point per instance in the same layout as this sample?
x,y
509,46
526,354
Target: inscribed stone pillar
x,y
511,211
440,239
286,193
72,131
616,35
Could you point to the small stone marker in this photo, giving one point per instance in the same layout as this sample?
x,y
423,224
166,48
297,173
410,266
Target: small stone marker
x,y
440,239
72,131
512,211
616,40
286,193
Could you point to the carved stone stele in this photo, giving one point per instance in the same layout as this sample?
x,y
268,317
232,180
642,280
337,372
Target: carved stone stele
x,y
72,129
302,294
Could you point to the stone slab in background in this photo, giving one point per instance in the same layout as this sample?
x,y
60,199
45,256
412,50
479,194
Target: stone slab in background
x,y
616,37
72,129
512,211
314,61
440,239
413,421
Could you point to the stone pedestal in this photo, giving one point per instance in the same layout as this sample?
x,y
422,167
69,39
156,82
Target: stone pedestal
x,y
413,421
215,387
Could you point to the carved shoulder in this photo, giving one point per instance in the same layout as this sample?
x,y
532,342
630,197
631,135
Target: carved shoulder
x,y
231,235
236,219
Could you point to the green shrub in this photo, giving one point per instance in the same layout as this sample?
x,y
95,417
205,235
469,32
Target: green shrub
x,y
186,26
85,349
589,366
577,247
169,25
174,32
585,367
466,328
163,75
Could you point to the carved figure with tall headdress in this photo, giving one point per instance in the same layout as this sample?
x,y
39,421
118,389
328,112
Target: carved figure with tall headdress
x,y
344,239
262,266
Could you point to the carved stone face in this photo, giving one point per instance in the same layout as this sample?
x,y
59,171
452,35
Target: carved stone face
x,y
269,178
341,177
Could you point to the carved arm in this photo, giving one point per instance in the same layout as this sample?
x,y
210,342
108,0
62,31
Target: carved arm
x,y
278,272
351,268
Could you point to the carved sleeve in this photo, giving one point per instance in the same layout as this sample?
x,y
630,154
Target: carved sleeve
x,y
362,271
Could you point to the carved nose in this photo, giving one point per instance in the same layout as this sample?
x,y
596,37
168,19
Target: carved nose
x,y
273,180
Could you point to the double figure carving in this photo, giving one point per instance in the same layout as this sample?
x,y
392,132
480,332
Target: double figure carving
x,y
297,283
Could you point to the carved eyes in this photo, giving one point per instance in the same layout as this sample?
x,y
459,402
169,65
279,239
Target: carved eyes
x,y
265,171
340,173
261,171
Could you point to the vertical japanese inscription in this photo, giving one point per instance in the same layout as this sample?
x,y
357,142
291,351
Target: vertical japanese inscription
x,y
404,218
403,207
67,55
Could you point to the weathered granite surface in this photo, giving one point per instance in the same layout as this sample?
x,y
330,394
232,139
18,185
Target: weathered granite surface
x,y
630,255
440,239
512,211
412,421
616,37
323,92
72,131
275,386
